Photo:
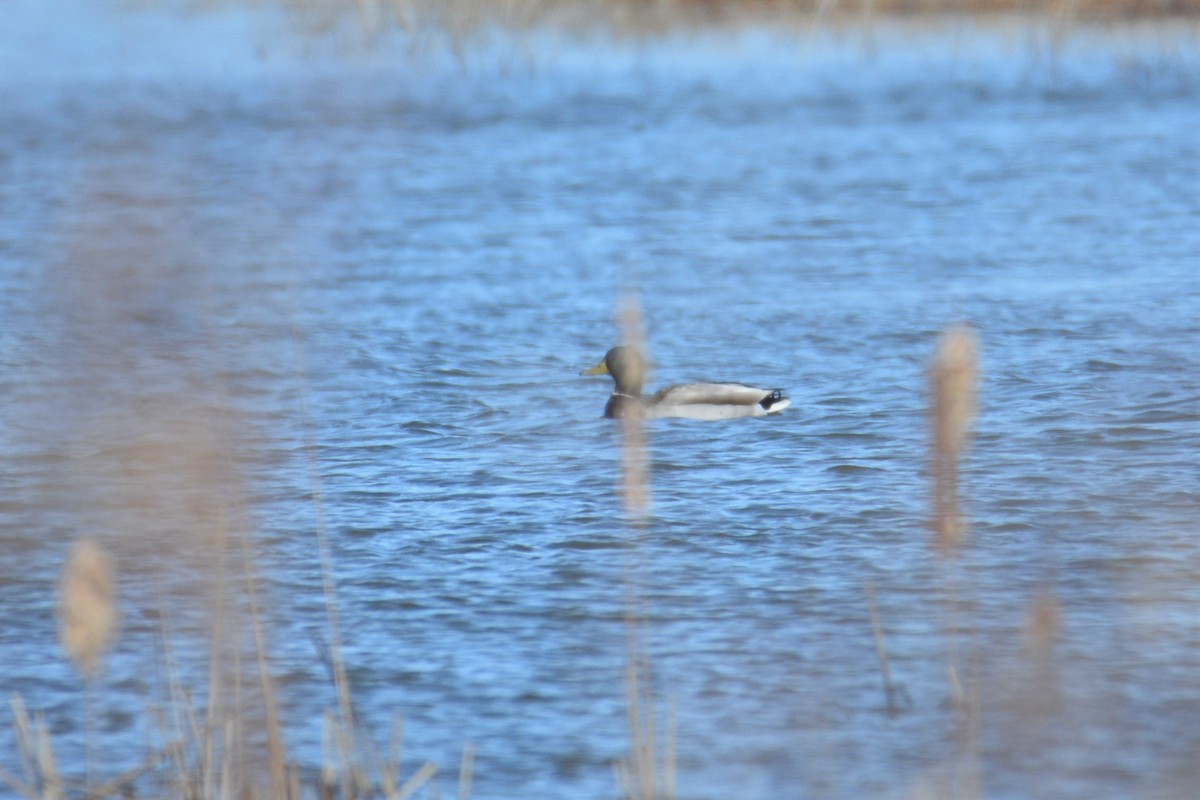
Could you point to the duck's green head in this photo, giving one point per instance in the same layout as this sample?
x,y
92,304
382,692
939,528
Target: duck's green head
x,y
625,365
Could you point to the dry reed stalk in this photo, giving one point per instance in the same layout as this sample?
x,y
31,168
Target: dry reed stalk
x,y
464,771
341,735
328,787
963,777
52,785
17,785
669,756
953,375
26,750
294,781
42,781
123,784
396,743
970,761
276,766
639,774
421,777
639,769
354,777
389,771
634,479
191,736
215,684
87,609
889,688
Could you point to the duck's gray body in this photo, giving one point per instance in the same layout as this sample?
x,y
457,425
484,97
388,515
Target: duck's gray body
x,y
708,401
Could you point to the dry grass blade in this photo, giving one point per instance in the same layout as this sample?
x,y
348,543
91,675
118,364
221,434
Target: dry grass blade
x,y
293,781
87,610
208,743
396,744
464,771
639,775
341,682
669,756
387,776
419,779
621,773
640,718
25,749
889,688
47,768
953,375
328,745
227,763
123,783
16,785
24,734
276,764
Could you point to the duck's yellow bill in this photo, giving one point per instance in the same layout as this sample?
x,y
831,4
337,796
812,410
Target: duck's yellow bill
x,y
599,369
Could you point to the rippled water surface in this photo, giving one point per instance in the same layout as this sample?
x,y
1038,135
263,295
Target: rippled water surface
x,y
255,284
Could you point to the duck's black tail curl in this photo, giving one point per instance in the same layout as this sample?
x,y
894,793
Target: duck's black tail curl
x,y
771,399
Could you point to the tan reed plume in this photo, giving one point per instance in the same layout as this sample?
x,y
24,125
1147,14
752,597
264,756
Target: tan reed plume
x,y
87,610
953,375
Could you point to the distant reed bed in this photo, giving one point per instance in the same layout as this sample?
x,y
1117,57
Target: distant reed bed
x,y
537,11
459,18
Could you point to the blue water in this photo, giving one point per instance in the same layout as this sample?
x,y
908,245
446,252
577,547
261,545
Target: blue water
x,y
255,283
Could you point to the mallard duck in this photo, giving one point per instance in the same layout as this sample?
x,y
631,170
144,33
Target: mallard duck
x,y
694,400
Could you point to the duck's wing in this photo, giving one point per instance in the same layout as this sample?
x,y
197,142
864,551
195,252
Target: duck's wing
x,y
736,394
716,401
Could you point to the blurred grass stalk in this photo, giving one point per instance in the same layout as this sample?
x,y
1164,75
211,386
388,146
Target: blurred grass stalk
x,y
953,376
647,773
